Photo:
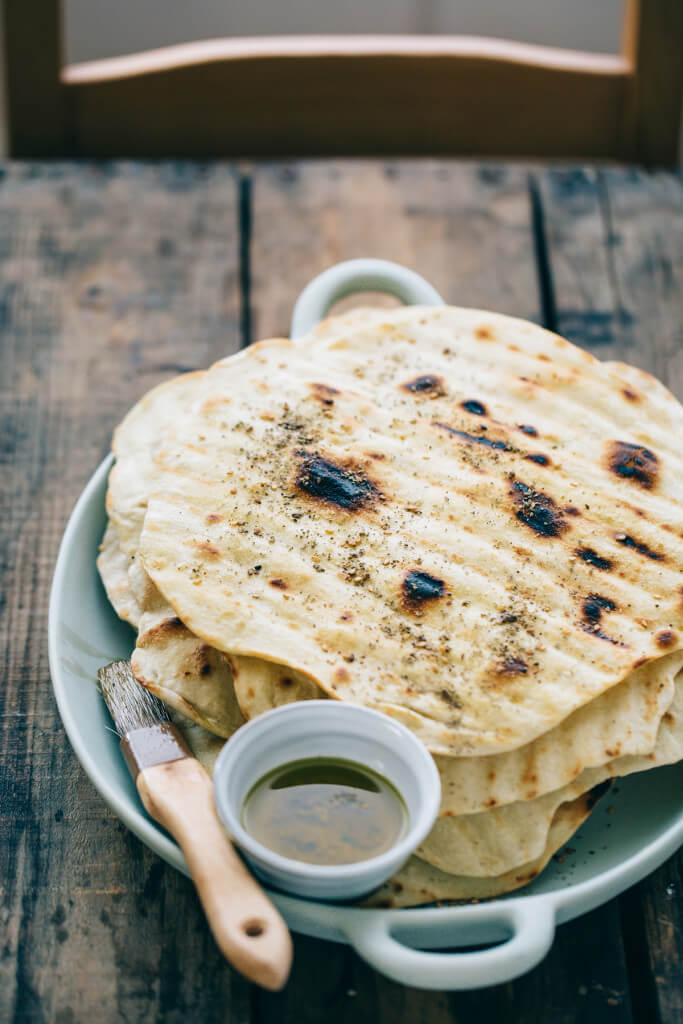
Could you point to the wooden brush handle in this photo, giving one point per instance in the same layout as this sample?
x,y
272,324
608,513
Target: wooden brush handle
x,y
247,927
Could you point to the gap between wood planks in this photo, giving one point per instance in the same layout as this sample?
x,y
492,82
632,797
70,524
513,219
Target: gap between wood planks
x,y
642,987
245,210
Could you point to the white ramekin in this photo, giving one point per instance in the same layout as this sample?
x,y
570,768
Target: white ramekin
x,y
326,728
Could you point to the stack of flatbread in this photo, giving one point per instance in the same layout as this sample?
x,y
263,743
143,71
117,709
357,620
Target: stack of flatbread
x,y
451,516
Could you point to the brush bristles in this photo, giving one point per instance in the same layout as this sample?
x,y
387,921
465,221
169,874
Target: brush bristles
x,y
130,705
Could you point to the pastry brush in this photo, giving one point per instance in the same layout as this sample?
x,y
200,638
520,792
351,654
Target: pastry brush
x,y
177,792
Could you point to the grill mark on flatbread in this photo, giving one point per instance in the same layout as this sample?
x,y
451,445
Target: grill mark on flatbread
x,y
343,485
420,588
627,541
428,384
592,608
633,462
502,446
526,428
475,407
324,393
537,510
353,433
594,605
666,638
539,458
593,558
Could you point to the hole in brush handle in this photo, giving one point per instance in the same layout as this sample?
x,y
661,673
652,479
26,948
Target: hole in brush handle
x,y
254,928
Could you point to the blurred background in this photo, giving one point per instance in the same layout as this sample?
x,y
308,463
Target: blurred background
x,y
541,78
100,28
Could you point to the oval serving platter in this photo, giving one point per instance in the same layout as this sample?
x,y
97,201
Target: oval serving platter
x,y
631,832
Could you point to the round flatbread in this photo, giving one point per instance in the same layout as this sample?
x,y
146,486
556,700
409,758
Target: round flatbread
x,y
451,516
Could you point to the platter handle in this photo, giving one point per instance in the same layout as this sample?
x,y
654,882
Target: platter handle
x,y
526,927
364,275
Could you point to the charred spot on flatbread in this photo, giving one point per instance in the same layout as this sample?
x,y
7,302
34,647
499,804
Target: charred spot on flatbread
x,y
343,485
592,609
324,392
420,588
593,558
537,510
474,406
428,384
627,541
633,462
481,439
538,457
666,638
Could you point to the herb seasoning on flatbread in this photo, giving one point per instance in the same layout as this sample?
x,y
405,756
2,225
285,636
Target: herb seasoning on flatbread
x,y
398,546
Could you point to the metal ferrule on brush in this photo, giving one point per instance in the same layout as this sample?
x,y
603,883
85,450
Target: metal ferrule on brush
x,y
154,744
148,737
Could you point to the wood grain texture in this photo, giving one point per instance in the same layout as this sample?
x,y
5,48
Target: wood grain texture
x,y
465,228
111,278
615,249
646,243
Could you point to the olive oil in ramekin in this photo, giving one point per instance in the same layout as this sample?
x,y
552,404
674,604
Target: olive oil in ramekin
x,y
325,811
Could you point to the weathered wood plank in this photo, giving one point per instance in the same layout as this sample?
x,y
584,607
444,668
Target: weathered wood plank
x,y
645,213
111,278
469,230
463,227
615,243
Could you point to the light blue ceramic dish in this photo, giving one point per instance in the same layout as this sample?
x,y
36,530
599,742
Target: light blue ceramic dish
x,y
612,851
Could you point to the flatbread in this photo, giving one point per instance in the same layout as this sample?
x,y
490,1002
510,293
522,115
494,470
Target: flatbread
x,y
503,597
113,565
624,720
185,673
418,882
492,842
134,443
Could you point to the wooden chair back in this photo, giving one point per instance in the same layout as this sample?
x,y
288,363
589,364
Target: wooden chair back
x,y
348,95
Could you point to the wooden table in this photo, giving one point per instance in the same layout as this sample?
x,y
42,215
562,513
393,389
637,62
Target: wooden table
x,y
114,277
